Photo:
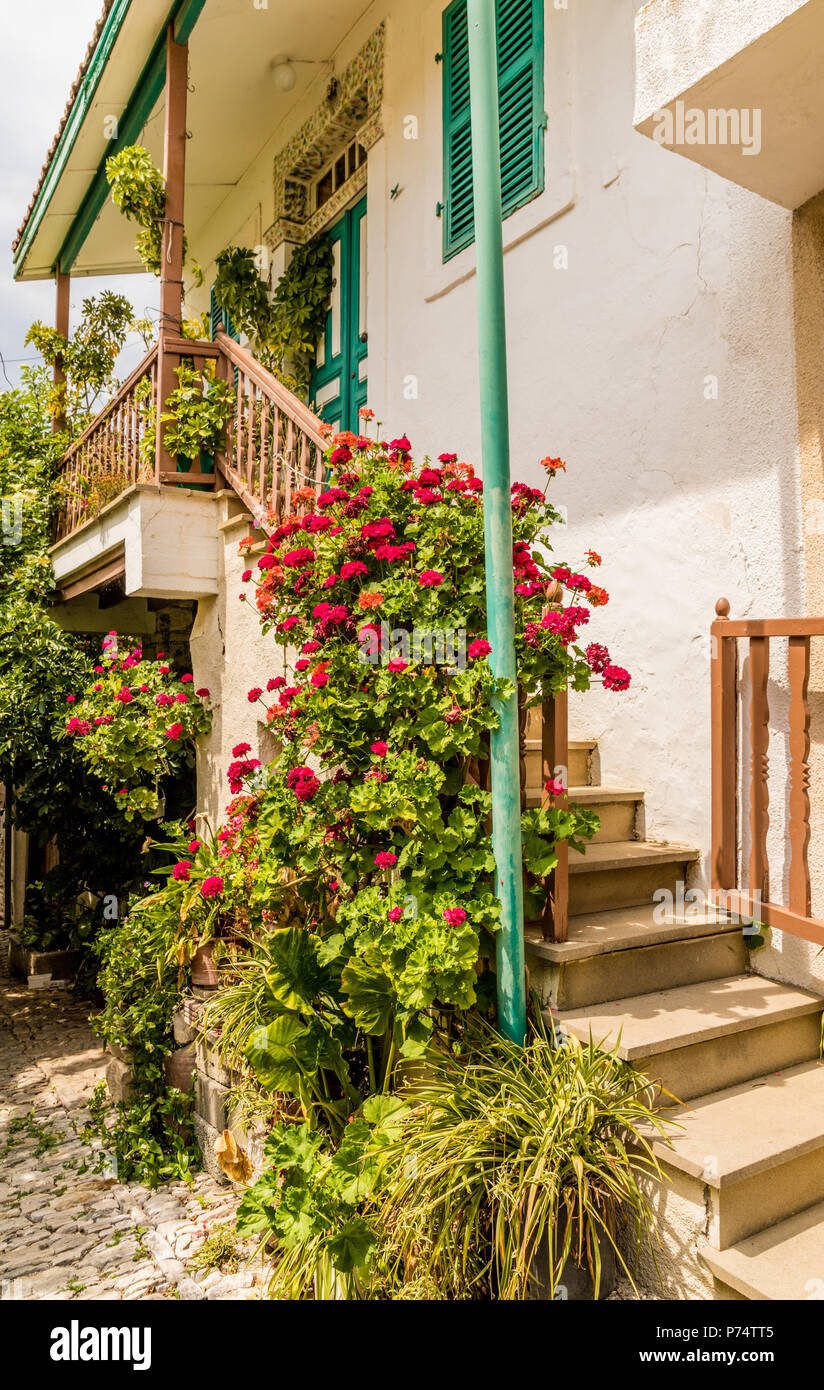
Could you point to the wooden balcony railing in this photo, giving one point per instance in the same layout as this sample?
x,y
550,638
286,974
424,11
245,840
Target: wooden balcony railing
x,y
274,443
106,458
755,898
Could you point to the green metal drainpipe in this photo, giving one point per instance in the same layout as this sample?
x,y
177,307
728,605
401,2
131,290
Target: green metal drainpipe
x,y
500,599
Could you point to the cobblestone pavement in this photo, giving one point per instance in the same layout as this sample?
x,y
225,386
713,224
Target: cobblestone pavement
x,y
65,1232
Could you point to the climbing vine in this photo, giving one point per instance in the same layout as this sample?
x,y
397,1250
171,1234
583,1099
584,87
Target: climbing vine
x,y
285,330
139,192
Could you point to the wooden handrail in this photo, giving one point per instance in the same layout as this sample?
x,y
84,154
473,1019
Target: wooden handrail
x,y
274,443
754,899
123,391
555,754
267,382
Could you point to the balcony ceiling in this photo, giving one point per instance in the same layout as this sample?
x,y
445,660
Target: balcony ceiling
x,y
765,55
234,110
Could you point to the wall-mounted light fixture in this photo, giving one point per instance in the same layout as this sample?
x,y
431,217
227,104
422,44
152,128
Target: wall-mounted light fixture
x,y
284,74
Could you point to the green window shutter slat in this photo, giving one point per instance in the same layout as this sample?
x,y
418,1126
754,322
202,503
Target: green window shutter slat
x,y
520,25
217,316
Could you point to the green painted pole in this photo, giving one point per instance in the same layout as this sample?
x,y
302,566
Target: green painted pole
x,y
500,598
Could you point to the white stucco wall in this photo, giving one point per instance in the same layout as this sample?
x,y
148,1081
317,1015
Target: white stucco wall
x,y
230,655
681,41
677,286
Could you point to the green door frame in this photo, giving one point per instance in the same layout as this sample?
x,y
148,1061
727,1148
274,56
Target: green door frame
x,y
346,364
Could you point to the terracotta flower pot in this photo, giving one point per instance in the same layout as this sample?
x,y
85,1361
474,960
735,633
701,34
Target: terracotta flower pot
x,y
204,970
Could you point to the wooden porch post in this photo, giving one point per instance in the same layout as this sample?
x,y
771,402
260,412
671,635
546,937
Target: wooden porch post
x,y
61,323
171,273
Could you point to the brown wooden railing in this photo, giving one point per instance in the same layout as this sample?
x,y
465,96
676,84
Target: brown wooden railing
x,y
106,459
728,766
274,444
554,921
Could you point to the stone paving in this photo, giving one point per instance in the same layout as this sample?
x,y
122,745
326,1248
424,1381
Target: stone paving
x,y
66,1232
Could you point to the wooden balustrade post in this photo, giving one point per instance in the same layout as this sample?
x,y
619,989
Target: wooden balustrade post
x,y
799,672
759,767
555,755
171,272
61,323
723,678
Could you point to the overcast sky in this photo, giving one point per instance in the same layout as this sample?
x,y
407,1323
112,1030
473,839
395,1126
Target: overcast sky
x,y
43,44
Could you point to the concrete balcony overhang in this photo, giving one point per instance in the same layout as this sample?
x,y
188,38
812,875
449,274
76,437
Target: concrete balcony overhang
x,y
737,86
162,542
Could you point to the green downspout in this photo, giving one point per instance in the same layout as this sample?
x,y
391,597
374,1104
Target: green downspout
x,y
500,599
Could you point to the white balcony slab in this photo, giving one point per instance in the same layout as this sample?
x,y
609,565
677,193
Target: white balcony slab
x,y
737,86
169,536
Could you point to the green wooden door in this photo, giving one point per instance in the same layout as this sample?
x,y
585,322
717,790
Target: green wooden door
x,y
339,381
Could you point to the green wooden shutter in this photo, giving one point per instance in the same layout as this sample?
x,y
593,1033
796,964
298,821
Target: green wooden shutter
x,y
520,25
217,316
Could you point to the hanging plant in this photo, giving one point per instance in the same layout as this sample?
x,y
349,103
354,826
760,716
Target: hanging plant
x,y
139,192
196,413
284,331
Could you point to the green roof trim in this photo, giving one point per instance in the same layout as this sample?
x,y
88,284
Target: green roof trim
x,y
79,111
184,14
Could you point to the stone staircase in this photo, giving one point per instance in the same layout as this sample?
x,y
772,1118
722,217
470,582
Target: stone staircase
x,y
741,1215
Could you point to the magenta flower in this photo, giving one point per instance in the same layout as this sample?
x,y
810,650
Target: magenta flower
x,y
480,647
254,694
555,786
385,859
212,887
395,914
430,579
181,870
454,916
174,731
616,678
240,749
380,749
124,696
598,657
352,569
203,692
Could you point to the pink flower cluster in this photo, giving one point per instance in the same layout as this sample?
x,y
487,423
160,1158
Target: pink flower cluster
x,y
303,782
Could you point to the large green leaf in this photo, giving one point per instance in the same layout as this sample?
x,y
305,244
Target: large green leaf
x,y
351,1247
295,975
371,997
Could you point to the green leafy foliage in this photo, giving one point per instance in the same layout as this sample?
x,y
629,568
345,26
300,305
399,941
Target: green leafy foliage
x,y
88,358
150,1133
196,413
55,798
284,331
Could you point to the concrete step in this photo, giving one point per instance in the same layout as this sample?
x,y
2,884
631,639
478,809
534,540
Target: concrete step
x,y
616,807
627,874
579,772
783,1262
704,1037
632,951
751,1155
